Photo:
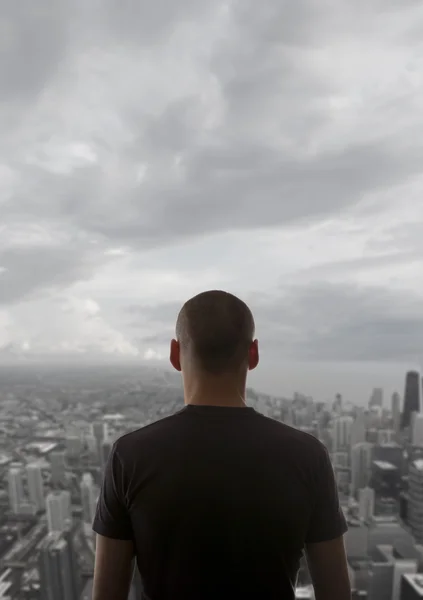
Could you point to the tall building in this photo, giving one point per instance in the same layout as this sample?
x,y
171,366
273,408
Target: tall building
x,y
59,513
342,433
88,498
396,412
16,489
56,569
358,429
35,486
412,397
415,500
58,468
73,446
106,448
361,462
366,504
417,433
376,399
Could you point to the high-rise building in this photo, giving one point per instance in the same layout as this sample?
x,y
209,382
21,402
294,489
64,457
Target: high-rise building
x,y
376,399
58,468
56,569
73,446
59,513
16,489
106,448
35,486
396,412
88,498
361,461
417,433
342,433
415,500
358,429
366,504
412,397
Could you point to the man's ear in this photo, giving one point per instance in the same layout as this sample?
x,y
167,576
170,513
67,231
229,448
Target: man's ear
x,y
175,355
253,355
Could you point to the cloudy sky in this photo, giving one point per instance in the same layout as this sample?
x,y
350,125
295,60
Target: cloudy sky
x,y
272,149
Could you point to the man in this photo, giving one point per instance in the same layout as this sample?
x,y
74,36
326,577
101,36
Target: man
x,y
218,501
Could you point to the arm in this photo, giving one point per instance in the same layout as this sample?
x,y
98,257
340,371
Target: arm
x,y
327,563
113,569
115,549
324,543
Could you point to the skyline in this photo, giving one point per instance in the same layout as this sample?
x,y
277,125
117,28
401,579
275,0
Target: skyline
x,y
271,151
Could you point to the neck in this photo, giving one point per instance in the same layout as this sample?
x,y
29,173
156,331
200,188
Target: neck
x,y
215,391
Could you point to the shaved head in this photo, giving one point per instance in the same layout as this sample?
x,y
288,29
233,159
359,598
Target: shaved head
x,y
216,329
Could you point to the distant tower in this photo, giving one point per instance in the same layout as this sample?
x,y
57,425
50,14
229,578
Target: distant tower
x,y
16,491
342,427
106,448
88,498
35,486
411,397
415,491
366,504
417,433
376,399
99,432
56,569
58,468
361,461
396,412
59,514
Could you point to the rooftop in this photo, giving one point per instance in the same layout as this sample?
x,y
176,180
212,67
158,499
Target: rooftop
x,y
416,582
419,464
384,465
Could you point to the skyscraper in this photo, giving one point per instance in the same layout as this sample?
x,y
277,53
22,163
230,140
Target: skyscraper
x,y
58,468
366,504
35,486
361,460
376,399
342,433
16,490
412,397
417,433
88,498
415,503
56,570
358,429
59,515
396,412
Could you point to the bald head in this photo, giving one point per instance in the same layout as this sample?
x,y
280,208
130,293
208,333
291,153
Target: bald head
x,y
215,330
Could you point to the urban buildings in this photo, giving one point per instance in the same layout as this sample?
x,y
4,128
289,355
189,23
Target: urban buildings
x,y
35,486
59,515
415,500
412,397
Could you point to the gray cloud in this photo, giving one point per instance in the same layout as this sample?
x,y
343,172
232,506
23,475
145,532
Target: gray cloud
x,y
323,322
257,117
32,42
30,270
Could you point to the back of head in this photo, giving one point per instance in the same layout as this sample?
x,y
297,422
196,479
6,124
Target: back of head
x,y
215,330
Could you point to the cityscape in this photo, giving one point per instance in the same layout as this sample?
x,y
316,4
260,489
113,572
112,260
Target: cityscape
x,y
57,427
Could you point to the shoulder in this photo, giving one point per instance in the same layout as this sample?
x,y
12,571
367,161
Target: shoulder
x,y
299,441
125,445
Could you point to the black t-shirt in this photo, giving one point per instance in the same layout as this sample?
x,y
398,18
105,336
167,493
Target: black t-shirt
x,y
219,502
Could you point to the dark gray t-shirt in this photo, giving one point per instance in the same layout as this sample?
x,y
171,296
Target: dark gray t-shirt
x,y
219,502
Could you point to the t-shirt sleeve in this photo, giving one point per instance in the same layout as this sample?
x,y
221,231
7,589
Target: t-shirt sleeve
x,y
112,517
327,519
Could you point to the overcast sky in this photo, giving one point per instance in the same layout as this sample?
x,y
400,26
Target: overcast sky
x,y
149,151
